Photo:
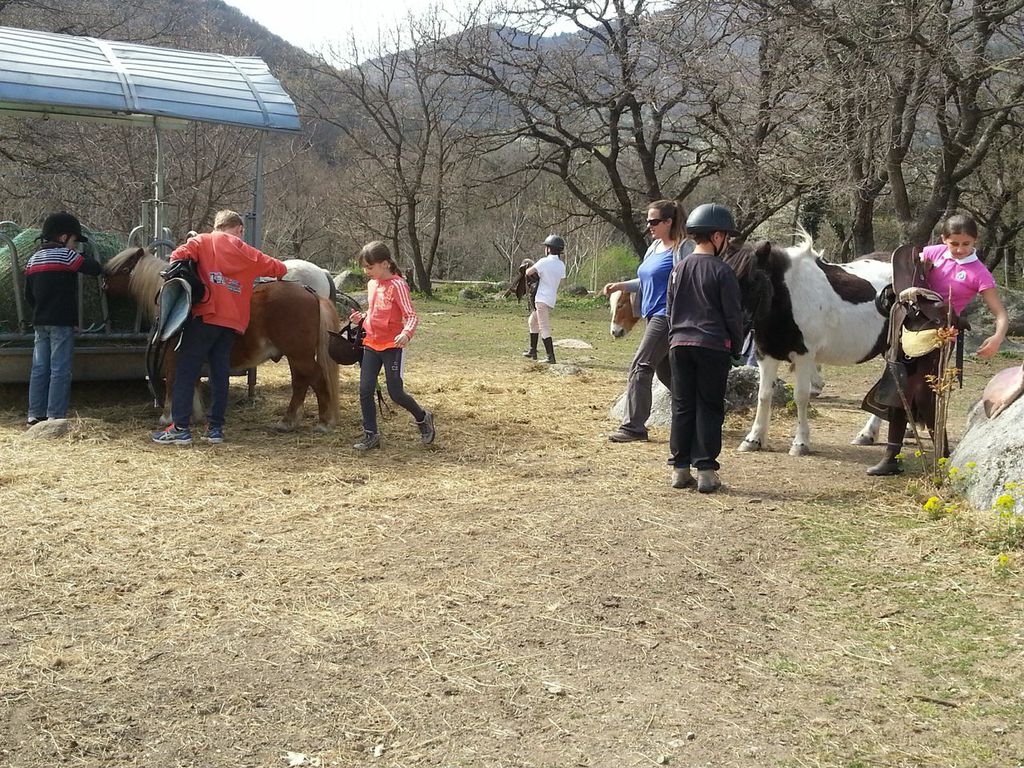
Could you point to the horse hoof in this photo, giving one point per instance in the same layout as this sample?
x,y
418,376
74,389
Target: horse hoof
x,y
322,428
282,426
749,445
863,440
799,449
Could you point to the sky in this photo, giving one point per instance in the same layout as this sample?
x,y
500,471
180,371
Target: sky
x,y
315,24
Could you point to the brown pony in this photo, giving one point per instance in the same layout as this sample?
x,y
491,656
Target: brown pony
x,y
287,320
625,312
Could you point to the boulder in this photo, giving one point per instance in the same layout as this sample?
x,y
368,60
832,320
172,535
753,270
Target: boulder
x,y
996,448
46,430
572,344
350,280
576,290
982,322
564,369
740,395
470,294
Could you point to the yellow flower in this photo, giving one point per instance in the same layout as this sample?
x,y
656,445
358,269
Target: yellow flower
x,y
1010,486
917,454
954,471
970,465
1005,502
900,456
943,461
932,504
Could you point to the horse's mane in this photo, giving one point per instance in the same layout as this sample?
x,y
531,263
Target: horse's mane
x,y
753,277
803,247
144,281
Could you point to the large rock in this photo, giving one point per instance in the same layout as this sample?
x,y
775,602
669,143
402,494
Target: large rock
x,y
740,394
996,447
983,324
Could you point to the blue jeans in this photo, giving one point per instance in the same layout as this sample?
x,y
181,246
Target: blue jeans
x,y
202,343
391,360
49,388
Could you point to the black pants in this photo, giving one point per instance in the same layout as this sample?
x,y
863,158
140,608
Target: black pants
x,y
369,369
699,379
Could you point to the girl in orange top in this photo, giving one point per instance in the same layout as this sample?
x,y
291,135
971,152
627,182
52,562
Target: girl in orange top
x,y
389,322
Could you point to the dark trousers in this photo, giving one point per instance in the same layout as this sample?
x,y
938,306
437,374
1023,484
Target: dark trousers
x,y
699,379
202,343
391,360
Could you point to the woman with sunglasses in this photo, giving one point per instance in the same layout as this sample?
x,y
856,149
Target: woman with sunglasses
x,y
665,222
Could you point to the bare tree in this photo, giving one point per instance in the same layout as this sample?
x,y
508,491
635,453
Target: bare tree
x,y
410,131
611,110
912,97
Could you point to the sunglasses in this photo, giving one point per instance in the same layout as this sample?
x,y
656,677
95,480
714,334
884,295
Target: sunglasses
x,y
656,222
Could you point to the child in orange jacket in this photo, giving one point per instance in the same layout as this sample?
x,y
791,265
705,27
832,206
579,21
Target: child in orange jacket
x,y
228,267
389,322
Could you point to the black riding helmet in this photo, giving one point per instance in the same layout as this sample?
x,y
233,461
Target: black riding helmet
x,y
555,243
711,217
62,223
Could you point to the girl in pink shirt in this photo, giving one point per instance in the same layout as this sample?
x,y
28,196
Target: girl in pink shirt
x,y
957,274
389,323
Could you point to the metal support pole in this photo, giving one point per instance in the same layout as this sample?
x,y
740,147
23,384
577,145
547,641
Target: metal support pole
x,y
255,236
158,183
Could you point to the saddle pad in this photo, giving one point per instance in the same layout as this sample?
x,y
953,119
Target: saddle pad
x,y
919,343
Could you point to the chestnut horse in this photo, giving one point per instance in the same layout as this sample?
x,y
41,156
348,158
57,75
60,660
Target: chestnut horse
x,y
286,320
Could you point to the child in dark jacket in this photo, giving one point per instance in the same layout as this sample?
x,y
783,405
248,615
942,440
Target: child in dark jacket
x,y
51,288
705,319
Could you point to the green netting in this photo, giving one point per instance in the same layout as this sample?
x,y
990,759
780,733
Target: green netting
x,y
103,246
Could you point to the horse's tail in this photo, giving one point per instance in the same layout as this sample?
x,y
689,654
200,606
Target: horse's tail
x,y
329,321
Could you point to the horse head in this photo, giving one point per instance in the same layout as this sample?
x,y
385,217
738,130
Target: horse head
x,y
753,266
625,312
117,272
135,274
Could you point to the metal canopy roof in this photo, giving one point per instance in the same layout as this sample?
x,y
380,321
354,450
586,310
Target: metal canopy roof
x,y
83,77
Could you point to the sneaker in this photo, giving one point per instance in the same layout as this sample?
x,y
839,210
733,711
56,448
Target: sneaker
x,y
370,440
708,481
682,477
426,426
33,420
214,435
172,436
622,436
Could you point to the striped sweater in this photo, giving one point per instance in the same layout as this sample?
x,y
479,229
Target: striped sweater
x,y
51,284
389,312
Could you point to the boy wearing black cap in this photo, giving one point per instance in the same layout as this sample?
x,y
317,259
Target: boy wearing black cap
x,y
51,288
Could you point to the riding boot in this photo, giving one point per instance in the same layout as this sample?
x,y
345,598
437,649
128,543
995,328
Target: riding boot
x,y
532,351
549,346
889,465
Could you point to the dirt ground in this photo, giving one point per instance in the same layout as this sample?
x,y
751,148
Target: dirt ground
x,y
523,593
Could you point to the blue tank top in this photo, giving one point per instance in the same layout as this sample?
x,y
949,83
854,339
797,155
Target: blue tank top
x,y
653,273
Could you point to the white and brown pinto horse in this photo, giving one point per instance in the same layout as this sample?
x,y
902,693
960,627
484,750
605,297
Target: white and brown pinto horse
x,y
286,320
807,311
